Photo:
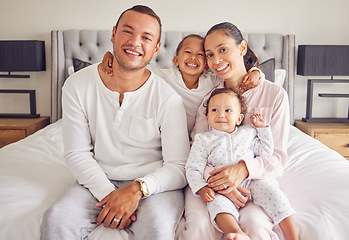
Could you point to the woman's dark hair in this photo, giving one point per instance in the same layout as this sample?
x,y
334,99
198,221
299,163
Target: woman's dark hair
x,y
250,58
226,90
186,37
145,10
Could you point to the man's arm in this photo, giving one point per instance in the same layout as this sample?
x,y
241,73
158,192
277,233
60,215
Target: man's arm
x,y
123,202
78,148
175,148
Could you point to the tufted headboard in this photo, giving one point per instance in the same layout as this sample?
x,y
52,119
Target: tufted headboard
x,y
90,46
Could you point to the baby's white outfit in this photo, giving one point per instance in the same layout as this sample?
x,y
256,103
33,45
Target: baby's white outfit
x,y
218,149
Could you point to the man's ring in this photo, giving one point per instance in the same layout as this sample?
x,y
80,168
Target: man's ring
x,y
116,220
225,187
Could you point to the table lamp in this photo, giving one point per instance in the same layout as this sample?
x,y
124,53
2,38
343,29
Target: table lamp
x,y
22,56
323,60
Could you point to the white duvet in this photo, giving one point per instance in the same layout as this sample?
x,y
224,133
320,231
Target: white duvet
x,y
33,175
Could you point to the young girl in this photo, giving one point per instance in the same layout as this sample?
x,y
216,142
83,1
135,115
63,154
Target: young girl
x,y
225,49
190,79
227,144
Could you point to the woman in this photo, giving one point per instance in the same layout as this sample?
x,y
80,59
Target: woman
x,y
225,49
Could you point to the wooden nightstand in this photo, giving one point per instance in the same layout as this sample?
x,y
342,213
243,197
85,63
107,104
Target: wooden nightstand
x,y
14,129
333,135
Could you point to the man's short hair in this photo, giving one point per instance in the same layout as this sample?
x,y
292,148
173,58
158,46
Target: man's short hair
x,y
145,10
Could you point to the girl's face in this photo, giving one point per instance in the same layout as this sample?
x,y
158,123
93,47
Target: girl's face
x,y
224,112
224,56
191,58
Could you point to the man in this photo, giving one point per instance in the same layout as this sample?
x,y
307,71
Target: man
x,y
125,141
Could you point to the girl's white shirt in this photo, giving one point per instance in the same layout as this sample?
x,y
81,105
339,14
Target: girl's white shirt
x,y
192,98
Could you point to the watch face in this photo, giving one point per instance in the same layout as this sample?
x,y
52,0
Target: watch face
x,y
145,189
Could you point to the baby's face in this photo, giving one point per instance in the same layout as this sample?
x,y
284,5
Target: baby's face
x,y
224,112
191,58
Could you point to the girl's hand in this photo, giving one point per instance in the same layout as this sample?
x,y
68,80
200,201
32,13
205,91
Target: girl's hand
x,y
249,81
206,194
238,196
226,179
107,63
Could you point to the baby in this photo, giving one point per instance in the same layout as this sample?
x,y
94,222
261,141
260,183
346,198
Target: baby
x,y
227,144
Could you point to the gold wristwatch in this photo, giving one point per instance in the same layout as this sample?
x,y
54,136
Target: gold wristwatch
x,y
144,188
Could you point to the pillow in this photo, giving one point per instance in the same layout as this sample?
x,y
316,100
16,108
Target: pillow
x,y
79,64
268,68
70,70
280,76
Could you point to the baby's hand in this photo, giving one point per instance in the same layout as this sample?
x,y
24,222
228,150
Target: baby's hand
x,y
258,121
107,63
206,194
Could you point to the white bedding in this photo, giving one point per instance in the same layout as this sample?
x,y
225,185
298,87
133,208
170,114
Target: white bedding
x,y
33,175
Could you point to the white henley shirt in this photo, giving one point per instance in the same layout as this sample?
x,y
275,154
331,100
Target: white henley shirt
x,y
146,137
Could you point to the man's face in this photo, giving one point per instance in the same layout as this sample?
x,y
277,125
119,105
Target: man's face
x,y
135,41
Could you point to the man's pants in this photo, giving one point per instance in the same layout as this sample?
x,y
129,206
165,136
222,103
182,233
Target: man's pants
x,y
74,215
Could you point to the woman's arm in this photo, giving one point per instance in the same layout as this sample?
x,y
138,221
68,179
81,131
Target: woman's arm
x,y
272,166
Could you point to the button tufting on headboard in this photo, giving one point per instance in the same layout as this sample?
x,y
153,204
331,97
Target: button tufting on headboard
x,y
92,44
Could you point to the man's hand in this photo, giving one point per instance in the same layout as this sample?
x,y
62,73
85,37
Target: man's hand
x,y
120,204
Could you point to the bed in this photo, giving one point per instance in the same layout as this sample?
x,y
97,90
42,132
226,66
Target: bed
x,y
33,174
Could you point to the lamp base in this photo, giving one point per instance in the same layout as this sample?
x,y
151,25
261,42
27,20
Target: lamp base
x,y
14,76
32,102
18,115
326,120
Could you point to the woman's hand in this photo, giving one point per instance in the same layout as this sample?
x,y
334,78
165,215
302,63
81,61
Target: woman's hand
x,y
226,179
107,63
238,196
249,81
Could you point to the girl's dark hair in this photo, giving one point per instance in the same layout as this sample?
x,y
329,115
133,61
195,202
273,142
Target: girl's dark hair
x,y
142,9
226,90
250,58
186,37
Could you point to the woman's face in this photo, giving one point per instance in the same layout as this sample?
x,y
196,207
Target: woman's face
x,y
224,56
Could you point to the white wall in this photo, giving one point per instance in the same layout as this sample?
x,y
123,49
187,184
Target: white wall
x,y
312,23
